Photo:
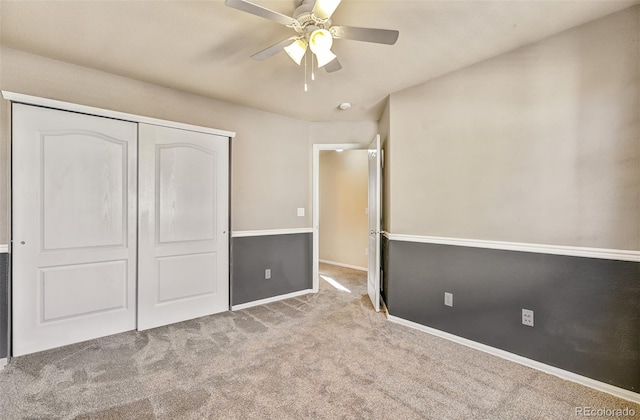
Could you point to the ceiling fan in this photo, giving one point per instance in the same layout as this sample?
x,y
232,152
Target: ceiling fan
x,y
314,30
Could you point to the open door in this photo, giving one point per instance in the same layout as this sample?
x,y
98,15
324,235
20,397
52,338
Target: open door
x,y
373,272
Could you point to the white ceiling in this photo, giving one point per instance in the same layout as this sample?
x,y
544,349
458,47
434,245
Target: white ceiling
x,y
203,47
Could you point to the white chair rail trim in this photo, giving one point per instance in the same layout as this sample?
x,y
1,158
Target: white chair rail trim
x,y
246,233
575,251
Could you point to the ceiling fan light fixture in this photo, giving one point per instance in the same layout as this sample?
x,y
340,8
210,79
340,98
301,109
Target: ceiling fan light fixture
x,y
296,50
320,40
325,57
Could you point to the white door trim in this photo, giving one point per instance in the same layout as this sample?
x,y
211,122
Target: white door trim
x,y
316,199
100,112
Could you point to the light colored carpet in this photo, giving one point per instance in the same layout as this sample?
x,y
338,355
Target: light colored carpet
x,y
326,355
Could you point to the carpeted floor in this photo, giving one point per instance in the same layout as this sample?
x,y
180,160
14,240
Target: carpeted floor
x,y
326,355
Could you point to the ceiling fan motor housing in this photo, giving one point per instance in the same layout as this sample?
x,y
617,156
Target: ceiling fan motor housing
x,y
307,5
303,14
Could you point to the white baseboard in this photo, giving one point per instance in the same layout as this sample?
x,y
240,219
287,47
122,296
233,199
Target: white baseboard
x,y
353,267
271,299
3,362
569,376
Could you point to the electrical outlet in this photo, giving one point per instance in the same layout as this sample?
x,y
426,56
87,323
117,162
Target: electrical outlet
x,y
527,317
448,299
267,273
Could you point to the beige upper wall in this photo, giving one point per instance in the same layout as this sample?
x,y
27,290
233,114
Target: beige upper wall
x,y
539,145
385,135
340,132
343,193
270,152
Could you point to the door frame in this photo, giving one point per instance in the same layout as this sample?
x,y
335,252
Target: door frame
x,y
316,200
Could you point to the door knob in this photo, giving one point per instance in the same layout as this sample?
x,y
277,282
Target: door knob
x,y
22,242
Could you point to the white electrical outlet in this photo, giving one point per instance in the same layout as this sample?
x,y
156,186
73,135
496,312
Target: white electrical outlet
x,y
267,273
527,317
448,299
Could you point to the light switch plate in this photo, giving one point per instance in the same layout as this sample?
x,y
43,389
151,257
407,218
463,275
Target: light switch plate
x,y
300,211
448,299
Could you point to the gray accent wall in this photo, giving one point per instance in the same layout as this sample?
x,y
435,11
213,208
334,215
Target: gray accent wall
x,y
384,265
288,256
4,302
586,310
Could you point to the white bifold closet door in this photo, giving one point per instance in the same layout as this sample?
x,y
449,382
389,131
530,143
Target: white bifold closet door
x,y
183,256
74,227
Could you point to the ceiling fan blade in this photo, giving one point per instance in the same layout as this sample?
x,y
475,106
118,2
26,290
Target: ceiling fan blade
x,y
325,8
263,12
272,50
379,36
333,65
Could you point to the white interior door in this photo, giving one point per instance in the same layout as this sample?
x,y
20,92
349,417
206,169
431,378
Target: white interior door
x,y
74,227
373,272
183,225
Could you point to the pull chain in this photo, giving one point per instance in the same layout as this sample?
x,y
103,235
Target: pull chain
x,y
313,75
306,88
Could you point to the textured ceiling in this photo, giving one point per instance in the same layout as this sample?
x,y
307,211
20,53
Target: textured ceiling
x,y
203,47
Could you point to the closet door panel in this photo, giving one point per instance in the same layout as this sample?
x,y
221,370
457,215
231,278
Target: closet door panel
x,y
74,227
183,235
84,190
186,193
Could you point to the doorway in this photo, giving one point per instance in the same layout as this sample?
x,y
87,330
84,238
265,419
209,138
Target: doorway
x,y
373,159
343,193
